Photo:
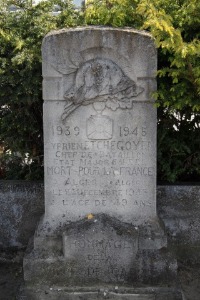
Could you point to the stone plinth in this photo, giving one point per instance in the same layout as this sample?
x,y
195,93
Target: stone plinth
x,y
100,226
102,293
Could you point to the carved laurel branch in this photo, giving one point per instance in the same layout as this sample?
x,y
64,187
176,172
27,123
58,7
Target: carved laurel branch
x,y
100,80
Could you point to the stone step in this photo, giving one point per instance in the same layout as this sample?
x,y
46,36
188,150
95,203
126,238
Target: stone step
x,y
143,293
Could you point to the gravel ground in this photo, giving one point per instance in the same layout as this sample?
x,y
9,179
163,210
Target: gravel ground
x,y
11,277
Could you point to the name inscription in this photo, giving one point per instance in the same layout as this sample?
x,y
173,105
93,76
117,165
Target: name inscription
x,y
100,173
99,244
120,274
95,255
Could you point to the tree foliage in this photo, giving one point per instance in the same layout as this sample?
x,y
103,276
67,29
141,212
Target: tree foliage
x,y
175,26
117,13
21,35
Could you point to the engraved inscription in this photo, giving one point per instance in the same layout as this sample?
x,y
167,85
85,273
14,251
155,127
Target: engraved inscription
x,y
119,274
103,170
66,130
102,156
127,131
100,160
103,145
100,245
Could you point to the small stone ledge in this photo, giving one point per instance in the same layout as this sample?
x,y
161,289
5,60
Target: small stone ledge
x,y
142,293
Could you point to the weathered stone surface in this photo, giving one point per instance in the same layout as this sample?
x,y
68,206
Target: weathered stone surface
x,y
102,293
22,204
100,250
100,137
178,207
100,225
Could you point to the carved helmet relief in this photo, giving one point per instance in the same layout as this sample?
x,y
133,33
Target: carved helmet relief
x,y
100,80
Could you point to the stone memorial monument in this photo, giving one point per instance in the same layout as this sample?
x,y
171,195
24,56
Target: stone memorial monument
x,y
100,237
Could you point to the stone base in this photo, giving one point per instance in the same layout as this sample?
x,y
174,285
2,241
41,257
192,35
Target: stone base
x,y
151,267
143,293
101,251
98,251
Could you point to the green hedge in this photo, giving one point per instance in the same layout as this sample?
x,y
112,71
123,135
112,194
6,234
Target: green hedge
x,y
175,25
